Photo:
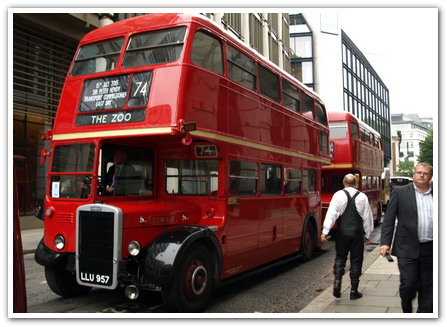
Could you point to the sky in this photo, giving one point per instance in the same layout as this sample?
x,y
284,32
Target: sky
x,y
402,46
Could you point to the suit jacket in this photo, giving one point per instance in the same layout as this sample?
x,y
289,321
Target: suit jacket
x,y
125,181
402,206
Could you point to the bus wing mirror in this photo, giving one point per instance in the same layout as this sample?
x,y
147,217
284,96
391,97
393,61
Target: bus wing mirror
x,y
43,154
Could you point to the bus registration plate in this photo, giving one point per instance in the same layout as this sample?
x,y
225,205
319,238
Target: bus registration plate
x,y
94,278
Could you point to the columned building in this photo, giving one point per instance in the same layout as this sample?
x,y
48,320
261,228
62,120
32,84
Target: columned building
x,y
328,61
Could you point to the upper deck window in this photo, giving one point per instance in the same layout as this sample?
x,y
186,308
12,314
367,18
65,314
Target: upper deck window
x,y
269,83
354,131
97,57
207,52
321,114
241,68
307,106
291,96
155,47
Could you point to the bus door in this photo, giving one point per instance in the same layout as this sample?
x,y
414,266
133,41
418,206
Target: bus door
x,y
242,217
271,212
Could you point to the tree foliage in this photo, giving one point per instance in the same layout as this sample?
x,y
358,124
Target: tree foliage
x,y
405,168
426,149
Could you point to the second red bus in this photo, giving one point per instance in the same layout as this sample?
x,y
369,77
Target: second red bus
x,y
355,148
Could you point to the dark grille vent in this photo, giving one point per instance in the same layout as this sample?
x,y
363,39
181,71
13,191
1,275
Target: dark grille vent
x,y
96,244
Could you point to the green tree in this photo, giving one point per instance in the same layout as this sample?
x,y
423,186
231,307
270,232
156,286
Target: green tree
x,y
426,149
405,168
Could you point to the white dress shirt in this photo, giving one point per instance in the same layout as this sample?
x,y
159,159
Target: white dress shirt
x,y
338,205
424,203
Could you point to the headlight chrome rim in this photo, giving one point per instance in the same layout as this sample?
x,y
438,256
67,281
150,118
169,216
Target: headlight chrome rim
x,y
59,242
134,248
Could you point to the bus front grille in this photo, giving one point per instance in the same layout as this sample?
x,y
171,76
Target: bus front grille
x,y
98,245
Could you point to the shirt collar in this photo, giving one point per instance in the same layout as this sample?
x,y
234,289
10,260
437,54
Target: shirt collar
x,y
428,192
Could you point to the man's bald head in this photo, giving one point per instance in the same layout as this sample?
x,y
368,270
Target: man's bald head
x,y
349,180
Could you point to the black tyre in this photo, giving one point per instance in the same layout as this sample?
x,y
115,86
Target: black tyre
x,y
308,241
63,282
193,281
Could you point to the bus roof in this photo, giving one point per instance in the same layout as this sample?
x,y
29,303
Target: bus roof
x,y
334,116
163,20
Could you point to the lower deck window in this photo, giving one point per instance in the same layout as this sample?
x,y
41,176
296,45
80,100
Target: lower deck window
x,y
191,177
243,178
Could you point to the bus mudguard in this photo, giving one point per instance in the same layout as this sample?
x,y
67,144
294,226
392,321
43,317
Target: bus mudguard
x,y
164,252
44,256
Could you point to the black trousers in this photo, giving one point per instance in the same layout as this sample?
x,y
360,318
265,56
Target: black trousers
x,y
352,243
416,277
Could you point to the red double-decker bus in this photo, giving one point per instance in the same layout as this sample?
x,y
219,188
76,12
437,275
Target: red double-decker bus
x,y
179,158
355,148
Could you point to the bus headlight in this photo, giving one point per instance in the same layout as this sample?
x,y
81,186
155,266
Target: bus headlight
x,y
59,242
134,248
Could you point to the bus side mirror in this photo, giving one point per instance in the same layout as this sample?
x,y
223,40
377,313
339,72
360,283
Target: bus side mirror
x,y
43,154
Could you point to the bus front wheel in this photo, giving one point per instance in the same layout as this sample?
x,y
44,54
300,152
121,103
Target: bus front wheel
x,y
193,282
62,282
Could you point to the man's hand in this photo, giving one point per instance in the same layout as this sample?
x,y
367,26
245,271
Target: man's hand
x,y
324,238
384,249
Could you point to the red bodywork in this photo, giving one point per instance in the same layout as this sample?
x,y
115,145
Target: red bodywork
x,y
241,123
357,155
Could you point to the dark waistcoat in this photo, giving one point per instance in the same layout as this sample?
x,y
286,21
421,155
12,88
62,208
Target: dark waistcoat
x,y
350,220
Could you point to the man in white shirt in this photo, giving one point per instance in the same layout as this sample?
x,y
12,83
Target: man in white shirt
x,y
351,209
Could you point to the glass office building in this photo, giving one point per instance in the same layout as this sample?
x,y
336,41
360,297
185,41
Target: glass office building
x,y
328,61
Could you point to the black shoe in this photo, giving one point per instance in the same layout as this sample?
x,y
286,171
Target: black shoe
x,y
355,295
337,286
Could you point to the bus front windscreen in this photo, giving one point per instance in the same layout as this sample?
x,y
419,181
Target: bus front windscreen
x,y
71,171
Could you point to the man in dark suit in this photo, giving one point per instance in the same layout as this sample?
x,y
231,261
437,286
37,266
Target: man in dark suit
x,y
412,205
120,175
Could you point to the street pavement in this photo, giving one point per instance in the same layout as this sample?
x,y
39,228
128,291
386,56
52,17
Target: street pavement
x,y
379,284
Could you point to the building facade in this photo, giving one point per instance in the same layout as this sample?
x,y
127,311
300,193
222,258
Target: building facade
x,y
326,60
408,131
43,47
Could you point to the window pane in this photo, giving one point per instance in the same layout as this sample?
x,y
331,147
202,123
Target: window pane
x,y
97,57
292,181
270,179
191,177
154,47
290,95
241,68
354,131
338,130
73,158
268,83
207,52
125,170
303,46
307,106
309,181
243,178
321,114
307,68
324,142
70,186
